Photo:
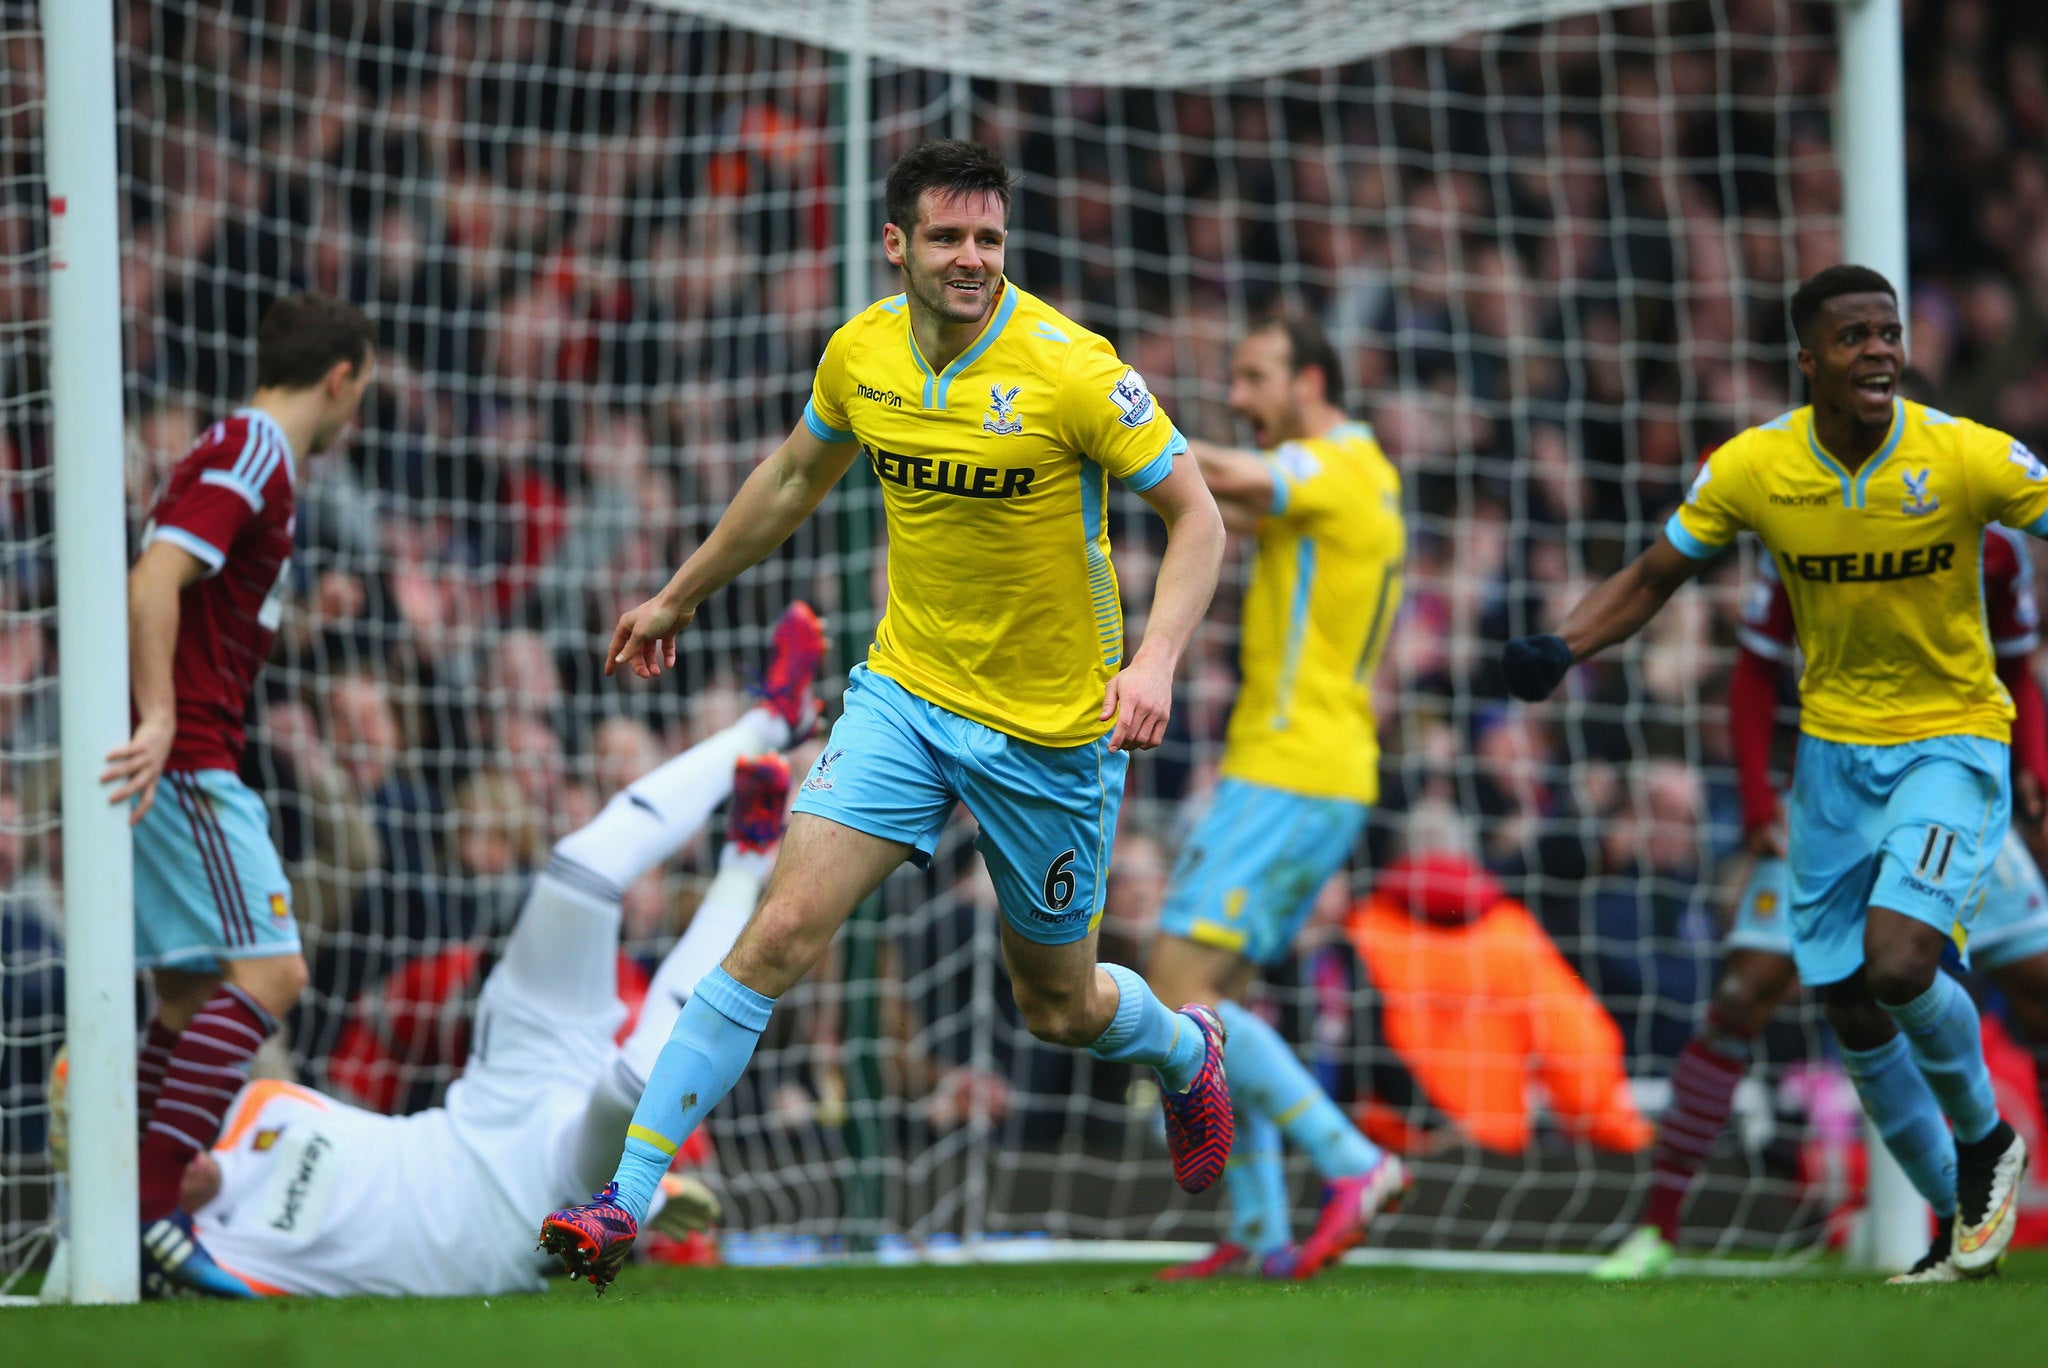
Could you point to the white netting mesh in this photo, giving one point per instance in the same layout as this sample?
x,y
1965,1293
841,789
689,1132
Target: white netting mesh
x,y
600,242
1165,43
31,964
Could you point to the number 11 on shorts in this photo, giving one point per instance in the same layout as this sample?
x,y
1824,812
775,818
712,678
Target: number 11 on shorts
x,y
1941,843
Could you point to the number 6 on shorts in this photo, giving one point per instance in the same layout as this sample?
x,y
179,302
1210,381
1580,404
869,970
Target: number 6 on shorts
x,y
1059,883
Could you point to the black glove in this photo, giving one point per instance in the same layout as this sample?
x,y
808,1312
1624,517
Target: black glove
x,y
1533,665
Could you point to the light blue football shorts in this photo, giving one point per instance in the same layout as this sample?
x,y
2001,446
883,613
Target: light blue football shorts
x,y
1763,914
1913,827
1249,875
2011,922
895,765
208,883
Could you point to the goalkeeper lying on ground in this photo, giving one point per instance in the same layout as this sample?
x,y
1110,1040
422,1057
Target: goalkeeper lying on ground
x,y
306,1195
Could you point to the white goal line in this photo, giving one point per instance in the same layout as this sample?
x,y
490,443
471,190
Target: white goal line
x,y
1007,1251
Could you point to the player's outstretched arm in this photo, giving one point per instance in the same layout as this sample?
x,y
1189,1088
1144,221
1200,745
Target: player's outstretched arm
x,y
1140,696
1615,611
159,575
782,491
1241,482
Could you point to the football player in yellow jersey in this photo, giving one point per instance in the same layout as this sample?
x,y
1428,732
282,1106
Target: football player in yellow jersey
x,y
997,677
1300,769
1874,511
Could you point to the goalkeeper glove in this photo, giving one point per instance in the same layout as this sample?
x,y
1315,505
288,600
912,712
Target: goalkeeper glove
x,y
1533,665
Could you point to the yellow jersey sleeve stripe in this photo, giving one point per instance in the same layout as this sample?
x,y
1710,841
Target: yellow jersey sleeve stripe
x,y
821,429
1159,467
1689,545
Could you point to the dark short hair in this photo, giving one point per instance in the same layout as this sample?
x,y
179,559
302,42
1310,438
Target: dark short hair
x,y
303,335
947,165
1816,290
1308,345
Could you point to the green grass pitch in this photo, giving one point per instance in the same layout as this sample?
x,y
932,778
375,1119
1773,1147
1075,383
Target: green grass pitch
x,y
1062,1315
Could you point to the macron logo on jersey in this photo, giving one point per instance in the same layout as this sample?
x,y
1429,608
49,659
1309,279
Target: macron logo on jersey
x,y
1865,567
952,477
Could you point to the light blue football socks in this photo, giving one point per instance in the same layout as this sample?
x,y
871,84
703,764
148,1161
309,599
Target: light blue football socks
x,y
705,1055
1256,1179
1268,1079
1942,1031
1908,1117
1145,1031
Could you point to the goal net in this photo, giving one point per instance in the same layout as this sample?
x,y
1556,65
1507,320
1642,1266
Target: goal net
x,y
31,955
604,243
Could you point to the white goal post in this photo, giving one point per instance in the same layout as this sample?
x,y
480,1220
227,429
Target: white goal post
x,y
92,614
1872,154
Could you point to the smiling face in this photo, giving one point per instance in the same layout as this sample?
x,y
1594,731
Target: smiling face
x,y
1853,354
952,257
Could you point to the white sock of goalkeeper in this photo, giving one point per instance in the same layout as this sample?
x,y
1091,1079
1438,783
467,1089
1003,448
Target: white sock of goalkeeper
x,y
727,905
616,1095
564,951
652,817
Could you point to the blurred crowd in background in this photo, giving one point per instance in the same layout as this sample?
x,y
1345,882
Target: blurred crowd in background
x,y
600,245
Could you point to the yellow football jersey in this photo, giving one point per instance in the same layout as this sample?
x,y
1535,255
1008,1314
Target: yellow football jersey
x,y
1002,606
1884,566
1324,593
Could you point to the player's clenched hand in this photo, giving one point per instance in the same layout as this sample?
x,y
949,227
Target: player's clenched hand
x,y
1140,697
139,764
1532,666
646,637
